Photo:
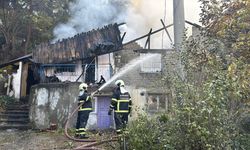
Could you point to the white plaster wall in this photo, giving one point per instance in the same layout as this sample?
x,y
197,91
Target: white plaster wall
x,y
67,76
138,101
16,82
103,68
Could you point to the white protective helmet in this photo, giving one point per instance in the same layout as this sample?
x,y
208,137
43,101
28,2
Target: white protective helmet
x,y
119,83
83,86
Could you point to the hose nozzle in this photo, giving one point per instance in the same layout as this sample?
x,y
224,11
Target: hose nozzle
x,y
95,92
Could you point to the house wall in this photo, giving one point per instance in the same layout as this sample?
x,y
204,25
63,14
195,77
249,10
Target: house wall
x,y
53,103
146,84
135,77
16,82
104,66
66,76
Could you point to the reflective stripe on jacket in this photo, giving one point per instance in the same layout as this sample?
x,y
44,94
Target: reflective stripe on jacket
x,y
87,104
121,102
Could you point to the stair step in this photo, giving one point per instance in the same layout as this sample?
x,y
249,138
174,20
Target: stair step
x,y
16,109
15,112
12,121
17,104
13,116
15,126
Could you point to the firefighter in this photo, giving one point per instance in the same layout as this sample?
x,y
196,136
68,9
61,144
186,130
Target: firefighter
x,y
83,112
121,104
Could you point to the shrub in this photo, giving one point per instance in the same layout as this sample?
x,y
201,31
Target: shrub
x,y
5,100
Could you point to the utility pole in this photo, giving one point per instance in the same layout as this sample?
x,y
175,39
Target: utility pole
x,y
179,26
179,22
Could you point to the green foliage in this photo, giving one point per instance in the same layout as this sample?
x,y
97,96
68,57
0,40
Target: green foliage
x,y
26,23
69,144
147,133
211,104
5,100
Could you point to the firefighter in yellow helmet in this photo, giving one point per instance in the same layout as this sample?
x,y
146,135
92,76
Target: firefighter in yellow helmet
x,y
121,104
83,112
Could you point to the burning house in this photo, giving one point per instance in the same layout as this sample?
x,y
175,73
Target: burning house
x,y
89,57
70,58
73,59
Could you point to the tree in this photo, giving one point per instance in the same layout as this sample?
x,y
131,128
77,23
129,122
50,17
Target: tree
x,y
213,99
26,23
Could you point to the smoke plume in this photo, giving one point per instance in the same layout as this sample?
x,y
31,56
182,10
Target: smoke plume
x,y
139,16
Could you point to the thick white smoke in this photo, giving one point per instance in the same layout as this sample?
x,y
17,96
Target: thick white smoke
x,y
139,15
90,14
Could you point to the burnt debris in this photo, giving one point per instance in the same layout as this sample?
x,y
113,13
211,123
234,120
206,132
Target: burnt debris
x,y
81,46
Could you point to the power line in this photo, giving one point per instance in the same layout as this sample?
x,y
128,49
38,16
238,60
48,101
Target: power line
x,y
164,20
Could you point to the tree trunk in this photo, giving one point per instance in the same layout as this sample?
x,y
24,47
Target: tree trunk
x,y
29,28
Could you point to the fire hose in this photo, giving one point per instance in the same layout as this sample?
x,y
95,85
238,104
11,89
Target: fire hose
x,y
94,142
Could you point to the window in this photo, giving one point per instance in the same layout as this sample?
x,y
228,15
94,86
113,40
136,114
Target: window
x,y
152,65
65,68
156,103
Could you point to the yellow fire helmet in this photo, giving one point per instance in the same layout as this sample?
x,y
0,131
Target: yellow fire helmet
x,y
120,83
83,86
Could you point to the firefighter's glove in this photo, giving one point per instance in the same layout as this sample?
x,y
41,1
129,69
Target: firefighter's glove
x,y
110,112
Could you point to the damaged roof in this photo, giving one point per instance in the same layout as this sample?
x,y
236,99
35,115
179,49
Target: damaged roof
x,y
23,58
81,46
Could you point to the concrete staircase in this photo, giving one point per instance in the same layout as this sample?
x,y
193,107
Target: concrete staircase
x,y
15,116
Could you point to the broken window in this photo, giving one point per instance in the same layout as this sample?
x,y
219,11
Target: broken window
x,y
152,65
65,68
156,103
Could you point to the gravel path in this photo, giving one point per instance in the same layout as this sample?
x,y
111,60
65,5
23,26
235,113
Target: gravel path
x,y
33,140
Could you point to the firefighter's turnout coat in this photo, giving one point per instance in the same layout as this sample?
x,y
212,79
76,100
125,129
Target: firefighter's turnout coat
x,y
83,113
121,104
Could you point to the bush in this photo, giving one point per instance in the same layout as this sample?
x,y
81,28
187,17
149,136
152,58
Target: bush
x,y
181,133
5,100
145,133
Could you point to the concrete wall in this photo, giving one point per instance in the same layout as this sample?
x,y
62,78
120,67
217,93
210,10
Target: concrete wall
x,y
150,81
141,84
53,103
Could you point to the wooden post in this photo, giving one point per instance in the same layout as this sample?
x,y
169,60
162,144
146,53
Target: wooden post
x,y
24,79
148,40
149,34
167,31
153,32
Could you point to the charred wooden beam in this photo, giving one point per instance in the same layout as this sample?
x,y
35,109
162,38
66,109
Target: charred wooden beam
x,y
146,35
84,45
194,24
148,39
166,31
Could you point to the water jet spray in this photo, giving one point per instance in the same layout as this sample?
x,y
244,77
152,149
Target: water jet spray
x,y
133,63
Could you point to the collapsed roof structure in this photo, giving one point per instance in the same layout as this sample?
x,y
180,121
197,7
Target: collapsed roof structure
x,y
84,45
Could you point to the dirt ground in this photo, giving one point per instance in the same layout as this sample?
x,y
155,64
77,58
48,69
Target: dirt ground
x,y
13,139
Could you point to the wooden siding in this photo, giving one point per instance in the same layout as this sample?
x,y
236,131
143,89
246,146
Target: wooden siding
x,y
81,46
